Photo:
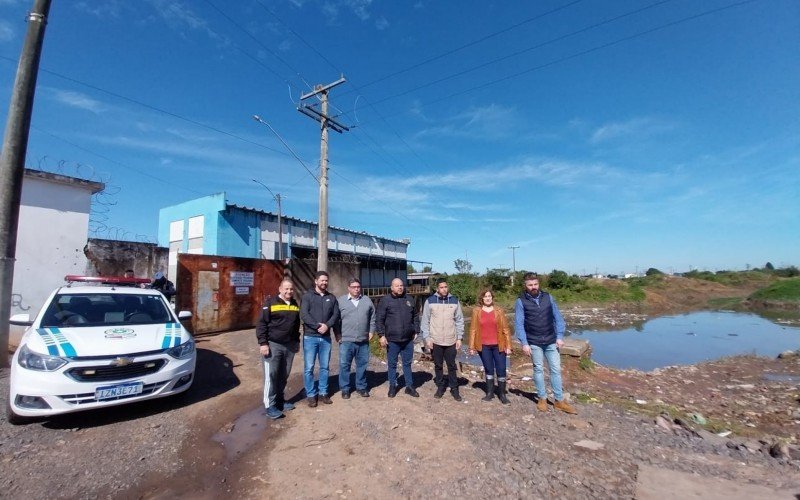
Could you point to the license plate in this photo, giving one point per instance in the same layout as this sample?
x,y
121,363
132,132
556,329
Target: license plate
x,y
116,391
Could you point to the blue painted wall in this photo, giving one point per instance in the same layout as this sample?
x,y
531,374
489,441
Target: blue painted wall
x,y
239,233
208,206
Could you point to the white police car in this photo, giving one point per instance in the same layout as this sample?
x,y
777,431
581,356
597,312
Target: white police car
x,y
96,346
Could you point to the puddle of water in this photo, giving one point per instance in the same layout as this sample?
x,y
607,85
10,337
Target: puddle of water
x,y
689,339
781,377
246,432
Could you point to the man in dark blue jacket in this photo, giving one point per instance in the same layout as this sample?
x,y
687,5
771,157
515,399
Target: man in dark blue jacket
x,y
397,324
540,329
319,311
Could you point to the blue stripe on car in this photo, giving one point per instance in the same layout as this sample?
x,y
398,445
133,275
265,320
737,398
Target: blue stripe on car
x,y
177,335
69,351
167,336
48,341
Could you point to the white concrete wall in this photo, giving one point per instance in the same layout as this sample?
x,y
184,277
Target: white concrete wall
x,y
53,229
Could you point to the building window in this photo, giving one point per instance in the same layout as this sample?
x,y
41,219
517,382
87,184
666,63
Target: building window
x,y
176,230
196,226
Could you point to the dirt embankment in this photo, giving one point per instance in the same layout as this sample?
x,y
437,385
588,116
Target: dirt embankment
x,y
676,294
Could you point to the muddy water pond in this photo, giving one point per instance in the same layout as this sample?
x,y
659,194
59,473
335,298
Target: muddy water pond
x,y
688,339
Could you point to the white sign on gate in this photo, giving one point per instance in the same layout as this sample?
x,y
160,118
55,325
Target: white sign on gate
x,y
242,290
239,278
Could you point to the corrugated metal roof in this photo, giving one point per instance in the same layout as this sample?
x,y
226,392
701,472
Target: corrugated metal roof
x,y
284,216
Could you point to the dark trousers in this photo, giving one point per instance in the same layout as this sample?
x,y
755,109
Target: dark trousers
x,y
446,354
406,351
277,366
493,360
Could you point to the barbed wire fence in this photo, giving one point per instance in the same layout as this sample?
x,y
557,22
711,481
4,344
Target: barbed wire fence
x,y
102,202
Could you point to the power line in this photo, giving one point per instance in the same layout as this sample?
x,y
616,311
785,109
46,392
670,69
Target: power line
x,y
585,52
415,222
263,46
153,108
332,65
111,160
520,52
258,119
472,43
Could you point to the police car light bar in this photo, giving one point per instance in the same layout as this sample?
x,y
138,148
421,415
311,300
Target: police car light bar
x,y
108,280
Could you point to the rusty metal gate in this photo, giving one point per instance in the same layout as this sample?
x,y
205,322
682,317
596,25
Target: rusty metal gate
x,y
224,293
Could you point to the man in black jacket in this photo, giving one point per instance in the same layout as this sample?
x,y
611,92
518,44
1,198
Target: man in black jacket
x,y
319,311
278,334
397,325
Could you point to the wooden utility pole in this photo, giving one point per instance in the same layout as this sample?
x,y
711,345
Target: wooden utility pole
x,y
321,91
513,262
12,160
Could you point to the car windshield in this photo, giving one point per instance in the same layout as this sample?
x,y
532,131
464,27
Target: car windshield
x,y
105,309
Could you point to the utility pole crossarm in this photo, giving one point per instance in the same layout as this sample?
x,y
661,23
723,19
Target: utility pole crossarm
x,y
326,122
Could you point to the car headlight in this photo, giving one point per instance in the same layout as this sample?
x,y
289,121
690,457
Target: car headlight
x,y
182,351
41,362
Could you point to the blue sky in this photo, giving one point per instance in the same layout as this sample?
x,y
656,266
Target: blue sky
x,y
595,135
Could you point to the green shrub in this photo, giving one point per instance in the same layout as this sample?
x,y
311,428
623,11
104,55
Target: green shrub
x,y
785,289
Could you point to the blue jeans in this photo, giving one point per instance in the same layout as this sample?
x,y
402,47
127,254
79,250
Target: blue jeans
x,y
314,346
406,350
347,352
538,353
493,359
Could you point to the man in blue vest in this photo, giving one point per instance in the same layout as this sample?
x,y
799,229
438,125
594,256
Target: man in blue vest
x,y
540,329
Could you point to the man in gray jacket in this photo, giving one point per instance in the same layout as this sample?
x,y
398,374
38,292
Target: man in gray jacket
x,y
354,331
442,329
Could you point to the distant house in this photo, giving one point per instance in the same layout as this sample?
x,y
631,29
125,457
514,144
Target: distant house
x,y
212,226
53,229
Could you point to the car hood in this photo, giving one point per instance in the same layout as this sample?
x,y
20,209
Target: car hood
x,y
105,340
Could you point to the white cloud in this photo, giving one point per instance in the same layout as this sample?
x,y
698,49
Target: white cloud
x,y
178,14
6,31
634,128
331,12
285,45
104,9
490,122
381,23
78,100
359,8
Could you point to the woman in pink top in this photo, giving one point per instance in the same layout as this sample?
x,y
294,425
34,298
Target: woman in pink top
x,y
490,335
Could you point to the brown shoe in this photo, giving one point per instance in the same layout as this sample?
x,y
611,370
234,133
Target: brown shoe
x,y
565,407
312,401
326,399
541,405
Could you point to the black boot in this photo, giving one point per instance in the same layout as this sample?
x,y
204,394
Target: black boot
x,y
501,392
489,389
439,392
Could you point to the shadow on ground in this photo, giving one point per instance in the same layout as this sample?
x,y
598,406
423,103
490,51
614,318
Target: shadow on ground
x,y
213,376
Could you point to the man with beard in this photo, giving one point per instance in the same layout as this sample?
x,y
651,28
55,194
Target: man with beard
x,y
540,329
319,312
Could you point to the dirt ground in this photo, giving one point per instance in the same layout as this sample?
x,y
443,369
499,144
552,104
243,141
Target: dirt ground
x,y
414,448
216,441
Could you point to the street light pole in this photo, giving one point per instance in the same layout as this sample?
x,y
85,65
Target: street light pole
x,y
277,198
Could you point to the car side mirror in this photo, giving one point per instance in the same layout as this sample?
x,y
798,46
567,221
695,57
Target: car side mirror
x,y
184,314
21,320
